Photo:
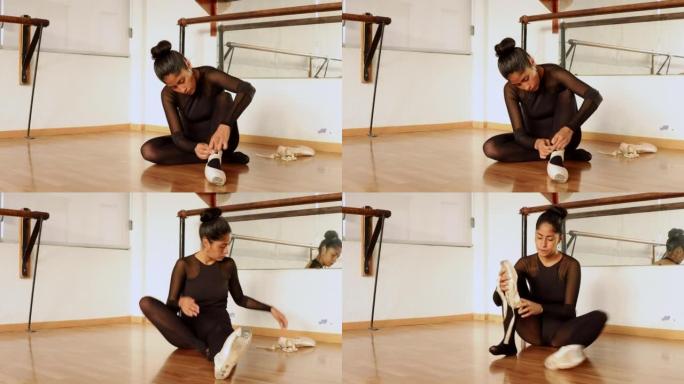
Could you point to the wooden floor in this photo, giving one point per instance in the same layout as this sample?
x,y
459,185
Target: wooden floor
x,y
445,161
457,353
139,354
111,162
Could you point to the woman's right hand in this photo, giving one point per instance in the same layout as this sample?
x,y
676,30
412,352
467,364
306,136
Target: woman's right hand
x,y
202,151
503,281
188,306
544,147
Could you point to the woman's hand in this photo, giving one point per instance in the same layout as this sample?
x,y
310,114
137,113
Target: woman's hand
x,y
219,140
529,308
544,147
503,281
562,138
202,151
280,318
188,306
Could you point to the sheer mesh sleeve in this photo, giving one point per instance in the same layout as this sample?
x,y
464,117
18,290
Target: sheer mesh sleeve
x,y
515,114
244,92
177,283
173,119
522,268
592,98
572,284
236,291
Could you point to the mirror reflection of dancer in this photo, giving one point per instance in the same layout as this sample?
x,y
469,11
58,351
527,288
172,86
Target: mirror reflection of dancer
x,y
541,104
202,116
199,289
329,251
544,314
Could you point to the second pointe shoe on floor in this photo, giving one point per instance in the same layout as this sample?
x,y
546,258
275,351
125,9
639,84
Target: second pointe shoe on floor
x,y
293,344
213,171
233,348
566,357
556,168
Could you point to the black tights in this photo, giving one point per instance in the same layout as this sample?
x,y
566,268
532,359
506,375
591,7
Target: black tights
x,y
504,148
551,331
205,333
163,150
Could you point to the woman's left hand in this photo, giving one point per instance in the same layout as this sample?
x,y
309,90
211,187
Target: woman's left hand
x,y
219,140
280,318
562,138
529,308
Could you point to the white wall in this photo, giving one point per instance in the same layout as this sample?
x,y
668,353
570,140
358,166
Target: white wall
x,y
301,109
72,91
413,88
72,283
414,281
650,99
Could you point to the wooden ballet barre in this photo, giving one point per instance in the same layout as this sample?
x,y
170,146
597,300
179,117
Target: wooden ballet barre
x,y
369,47
367,212
284,214
26,50
325,198
24,213
602,201
27,239
281,23
24,21
626,210
636,7
367,18
285,11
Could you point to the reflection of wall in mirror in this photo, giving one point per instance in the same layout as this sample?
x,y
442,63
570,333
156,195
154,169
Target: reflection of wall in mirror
x,y
318,39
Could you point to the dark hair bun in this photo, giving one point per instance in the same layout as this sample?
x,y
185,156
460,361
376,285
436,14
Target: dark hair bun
x,y
161,50
210,214
560,211
505,47
331,235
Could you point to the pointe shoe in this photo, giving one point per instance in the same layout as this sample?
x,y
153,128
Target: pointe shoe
x,y
555,169
637,148
293,344
512,295
233,348
566,357
212,171
300,150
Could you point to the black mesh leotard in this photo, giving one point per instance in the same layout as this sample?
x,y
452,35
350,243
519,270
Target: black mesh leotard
x,y
194,118
556,289
542,113
208,285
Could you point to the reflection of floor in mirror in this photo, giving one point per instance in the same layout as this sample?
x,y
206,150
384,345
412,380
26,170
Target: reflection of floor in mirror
x,y
453,160
139,354
111,162
457,353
